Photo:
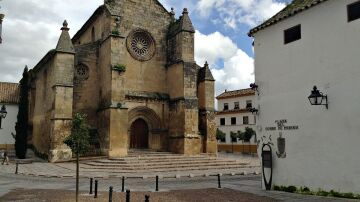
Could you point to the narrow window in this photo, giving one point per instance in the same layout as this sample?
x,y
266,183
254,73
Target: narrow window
x,y
226,106
248,104
222,121
93,34
236,105
292,34
233,120
245,120
353,11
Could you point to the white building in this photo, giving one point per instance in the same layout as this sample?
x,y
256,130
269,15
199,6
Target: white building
x,y
233,115
314,42
9,97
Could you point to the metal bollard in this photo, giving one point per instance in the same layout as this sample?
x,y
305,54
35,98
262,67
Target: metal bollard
x,y
17,168
147,198
96,188
128,195
91,186
123,184
157,183
219,182
110,193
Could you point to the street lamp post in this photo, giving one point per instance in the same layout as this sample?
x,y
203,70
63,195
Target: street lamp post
x,y
3,114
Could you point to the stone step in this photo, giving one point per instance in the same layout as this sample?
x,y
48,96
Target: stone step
x,y
149,159
149,163
166,169
169,165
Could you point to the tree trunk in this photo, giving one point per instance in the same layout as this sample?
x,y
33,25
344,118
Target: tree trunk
x,y
77,176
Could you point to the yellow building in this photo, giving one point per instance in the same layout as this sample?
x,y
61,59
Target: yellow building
x,y
131,70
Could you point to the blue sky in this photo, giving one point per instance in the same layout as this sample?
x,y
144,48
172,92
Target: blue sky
x,y
31,28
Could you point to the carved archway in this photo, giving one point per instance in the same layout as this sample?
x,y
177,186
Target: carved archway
x,y
154,126
147,114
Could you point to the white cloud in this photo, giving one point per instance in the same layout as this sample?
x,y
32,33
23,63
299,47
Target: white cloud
x,y
32,27
238,69
235,12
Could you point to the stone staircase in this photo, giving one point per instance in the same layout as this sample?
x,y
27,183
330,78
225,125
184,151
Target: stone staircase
x,y
146,161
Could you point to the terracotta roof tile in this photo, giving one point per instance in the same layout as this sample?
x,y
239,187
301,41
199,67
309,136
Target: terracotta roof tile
x,y
295,7
9,93
236,93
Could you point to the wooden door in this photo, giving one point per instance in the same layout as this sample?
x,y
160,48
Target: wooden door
x,y
139,135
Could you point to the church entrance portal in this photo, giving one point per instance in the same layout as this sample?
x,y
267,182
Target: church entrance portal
x,y
139,135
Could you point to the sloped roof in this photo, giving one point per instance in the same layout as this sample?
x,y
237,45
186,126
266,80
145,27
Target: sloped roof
x,y
205,74
236,93
9,93
295,7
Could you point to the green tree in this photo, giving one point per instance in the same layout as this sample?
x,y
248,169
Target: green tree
x,y
249,132
78,141
240,135
21,125
220,135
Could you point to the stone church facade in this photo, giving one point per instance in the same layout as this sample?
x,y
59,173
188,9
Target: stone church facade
x,y
131,70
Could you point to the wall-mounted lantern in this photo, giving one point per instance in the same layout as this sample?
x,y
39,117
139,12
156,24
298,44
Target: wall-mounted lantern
x,y
253,110
318,98
3,114
254,87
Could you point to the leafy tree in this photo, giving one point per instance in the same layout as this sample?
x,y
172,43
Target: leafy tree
x,y
249,132
234,136
220,135
240,135
21,126
78,141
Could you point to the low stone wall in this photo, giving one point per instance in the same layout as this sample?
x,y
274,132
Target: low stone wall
x,y
243,148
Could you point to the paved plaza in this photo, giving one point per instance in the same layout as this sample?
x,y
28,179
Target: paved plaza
x,y
237,184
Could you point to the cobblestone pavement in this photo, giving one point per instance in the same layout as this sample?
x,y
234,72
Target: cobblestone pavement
x,y
247,184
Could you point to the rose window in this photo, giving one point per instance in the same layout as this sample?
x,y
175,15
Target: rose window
x,y
81,72
141,45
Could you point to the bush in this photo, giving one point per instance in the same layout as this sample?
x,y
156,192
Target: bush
x,y
115,32
119,67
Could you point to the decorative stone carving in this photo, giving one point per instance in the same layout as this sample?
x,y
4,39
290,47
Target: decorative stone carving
x,y
141,45
81,72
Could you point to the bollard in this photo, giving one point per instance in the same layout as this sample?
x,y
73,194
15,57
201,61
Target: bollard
x,y
157,183
219,182
128,195
91,184
123,184
96,188
110,193
147,198
17,168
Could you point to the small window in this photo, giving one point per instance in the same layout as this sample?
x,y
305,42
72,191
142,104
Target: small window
x,y
245,120
353,11
226,106
222,121
292,34
236,105
93,34
233,121
248,104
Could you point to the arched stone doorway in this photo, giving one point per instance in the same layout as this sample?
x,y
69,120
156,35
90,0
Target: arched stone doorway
x,y
139,134
156,137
